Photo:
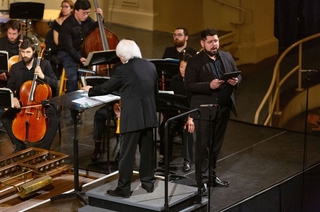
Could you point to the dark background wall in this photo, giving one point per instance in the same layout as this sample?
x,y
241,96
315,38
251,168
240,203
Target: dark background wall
x,y
295,19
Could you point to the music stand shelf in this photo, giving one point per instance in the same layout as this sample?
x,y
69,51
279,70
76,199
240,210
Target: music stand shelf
x,y
102,57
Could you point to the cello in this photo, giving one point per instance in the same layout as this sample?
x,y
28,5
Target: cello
x,y
100,39
29,124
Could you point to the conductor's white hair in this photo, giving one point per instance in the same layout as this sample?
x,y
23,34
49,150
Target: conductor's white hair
x,y
128,49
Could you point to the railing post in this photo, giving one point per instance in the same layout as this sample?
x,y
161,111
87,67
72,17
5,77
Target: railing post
x,y
300,67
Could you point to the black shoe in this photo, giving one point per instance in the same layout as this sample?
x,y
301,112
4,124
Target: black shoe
x,y
204,189
96,155
186,166
217,182
118,193
149,190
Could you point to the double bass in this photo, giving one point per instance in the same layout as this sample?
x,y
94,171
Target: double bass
x,y
100,39
29,124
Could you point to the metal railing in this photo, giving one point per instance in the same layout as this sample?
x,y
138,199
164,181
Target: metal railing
x,y
272,97
242,14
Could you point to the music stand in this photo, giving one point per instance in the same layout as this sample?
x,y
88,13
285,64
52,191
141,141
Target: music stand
x,y
4,61
106,57
102,57
6,97
26,10
166,68
166,102
66,100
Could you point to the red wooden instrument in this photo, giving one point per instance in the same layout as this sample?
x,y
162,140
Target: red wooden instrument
x,y
100,39
30,124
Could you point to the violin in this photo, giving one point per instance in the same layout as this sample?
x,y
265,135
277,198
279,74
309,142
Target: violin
x,y
30,124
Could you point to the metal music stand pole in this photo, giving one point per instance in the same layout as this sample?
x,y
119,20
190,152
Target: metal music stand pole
x,y
209,144
166,159
77,191
66,100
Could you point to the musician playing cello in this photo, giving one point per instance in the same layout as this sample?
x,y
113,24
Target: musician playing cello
x,y
21,72
10,43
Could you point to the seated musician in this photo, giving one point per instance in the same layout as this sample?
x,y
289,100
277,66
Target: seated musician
x,y
184,125
180,42
21,72
10,43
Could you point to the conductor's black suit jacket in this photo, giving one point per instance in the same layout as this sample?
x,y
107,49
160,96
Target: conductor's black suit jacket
x,y
198,76
137,84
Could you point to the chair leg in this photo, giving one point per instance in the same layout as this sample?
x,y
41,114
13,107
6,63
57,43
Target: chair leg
x,y
63,82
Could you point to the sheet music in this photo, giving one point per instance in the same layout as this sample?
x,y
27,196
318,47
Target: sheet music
x,y
87,102
167,92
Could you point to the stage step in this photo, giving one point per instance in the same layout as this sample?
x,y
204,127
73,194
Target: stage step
x,y
89,208
181,197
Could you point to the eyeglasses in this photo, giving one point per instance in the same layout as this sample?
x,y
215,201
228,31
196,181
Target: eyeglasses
x,y
65,6
178,35
210,42
85,13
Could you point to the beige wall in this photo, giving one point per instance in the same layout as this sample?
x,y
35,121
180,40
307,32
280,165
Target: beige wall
x,y
253,40
171,14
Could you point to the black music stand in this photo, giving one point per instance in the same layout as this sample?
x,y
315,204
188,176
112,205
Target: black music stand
x,y
6,97
26,10
102,57
4,61
66,101
166,68
106,57
166,102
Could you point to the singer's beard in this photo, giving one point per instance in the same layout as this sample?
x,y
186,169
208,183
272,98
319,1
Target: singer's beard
x,y
210,53
179,43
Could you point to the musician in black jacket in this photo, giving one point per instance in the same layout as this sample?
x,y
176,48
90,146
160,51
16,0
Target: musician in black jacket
x,y
137,81
185,126
10,43
202,79
20,73
180,45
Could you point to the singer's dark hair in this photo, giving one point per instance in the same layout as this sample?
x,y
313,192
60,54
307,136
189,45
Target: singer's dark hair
x,y
208,32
